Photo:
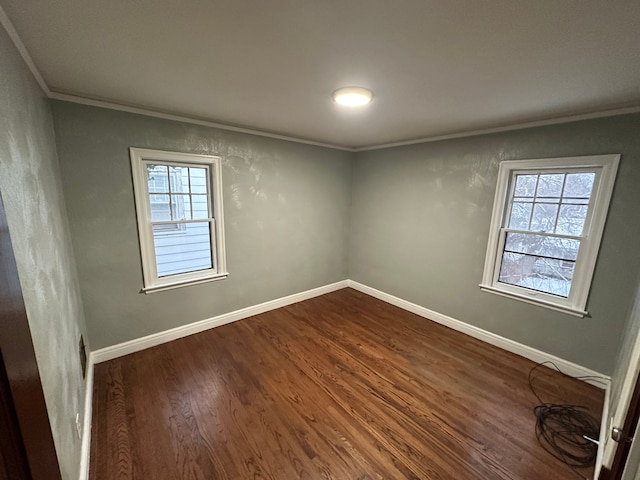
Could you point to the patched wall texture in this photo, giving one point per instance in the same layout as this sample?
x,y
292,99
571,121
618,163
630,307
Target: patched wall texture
x,y
420,224
286,214
32,192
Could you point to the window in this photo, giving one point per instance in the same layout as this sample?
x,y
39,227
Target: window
x,y
179,209
548,219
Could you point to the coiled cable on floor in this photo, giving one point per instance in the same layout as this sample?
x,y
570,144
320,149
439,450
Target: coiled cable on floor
x,y
568,432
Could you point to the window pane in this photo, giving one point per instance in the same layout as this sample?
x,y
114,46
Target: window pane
x,y
157,178
542,245
525,185
571,219
579,185
179,179
181,207
537,273
520,215
200,206
184,179
198,180
550,185
186,251
160,211
544,217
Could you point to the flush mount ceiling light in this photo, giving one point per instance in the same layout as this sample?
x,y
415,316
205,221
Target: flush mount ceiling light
x,y
352,96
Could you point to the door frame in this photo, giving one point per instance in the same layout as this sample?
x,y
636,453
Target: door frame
x,y
622,463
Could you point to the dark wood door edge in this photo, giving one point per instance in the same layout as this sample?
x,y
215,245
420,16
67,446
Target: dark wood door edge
x,y
604,474
624,446
21,366
13,458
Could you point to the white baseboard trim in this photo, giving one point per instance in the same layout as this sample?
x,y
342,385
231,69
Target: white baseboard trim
x,y
131,346
85,449
512,346
125,348
115,351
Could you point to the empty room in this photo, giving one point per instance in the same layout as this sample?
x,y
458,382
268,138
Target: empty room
x,y
355,240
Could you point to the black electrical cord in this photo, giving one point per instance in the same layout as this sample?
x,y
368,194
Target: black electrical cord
x,y
568,432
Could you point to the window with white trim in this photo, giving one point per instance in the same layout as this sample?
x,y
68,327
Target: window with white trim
x,y
547,223
179,210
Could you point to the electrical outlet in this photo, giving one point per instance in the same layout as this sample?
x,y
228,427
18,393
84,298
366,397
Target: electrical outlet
x,y
78,426
82,349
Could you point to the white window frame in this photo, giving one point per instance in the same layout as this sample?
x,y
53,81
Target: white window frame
x,y
606,167
140,157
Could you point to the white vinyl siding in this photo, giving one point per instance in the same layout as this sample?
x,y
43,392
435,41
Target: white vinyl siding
x,y
185,251
179,211
546,228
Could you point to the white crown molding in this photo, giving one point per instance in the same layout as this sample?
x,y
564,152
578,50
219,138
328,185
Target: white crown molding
x,y
11,31
512,346
131,346
470,133
507,128
180,118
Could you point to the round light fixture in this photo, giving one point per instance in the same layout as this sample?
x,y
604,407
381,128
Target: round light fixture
x,y
352,96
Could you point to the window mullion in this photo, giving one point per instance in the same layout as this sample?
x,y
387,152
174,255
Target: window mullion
x,y
190,192
533,201
169,190
545,234
564,182
181,222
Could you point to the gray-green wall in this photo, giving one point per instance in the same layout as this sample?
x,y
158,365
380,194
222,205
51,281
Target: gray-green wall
x,y
411,221
420,223
32,193
286,208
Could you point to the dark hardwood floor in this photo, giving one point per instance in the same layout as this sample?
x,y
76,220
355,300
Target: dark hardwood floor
x,y
341,387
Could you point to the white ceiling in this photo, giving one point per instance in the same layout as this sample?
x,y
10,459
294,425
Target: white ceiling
x,y
436,67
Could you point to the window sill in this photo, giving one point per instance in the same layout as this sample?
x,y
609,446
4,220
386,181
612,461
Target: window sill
x,y
534,301
183,283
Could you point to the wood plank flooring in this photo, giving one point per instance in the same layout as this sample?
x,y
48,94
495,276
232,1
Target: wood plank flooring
x,y
340,387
